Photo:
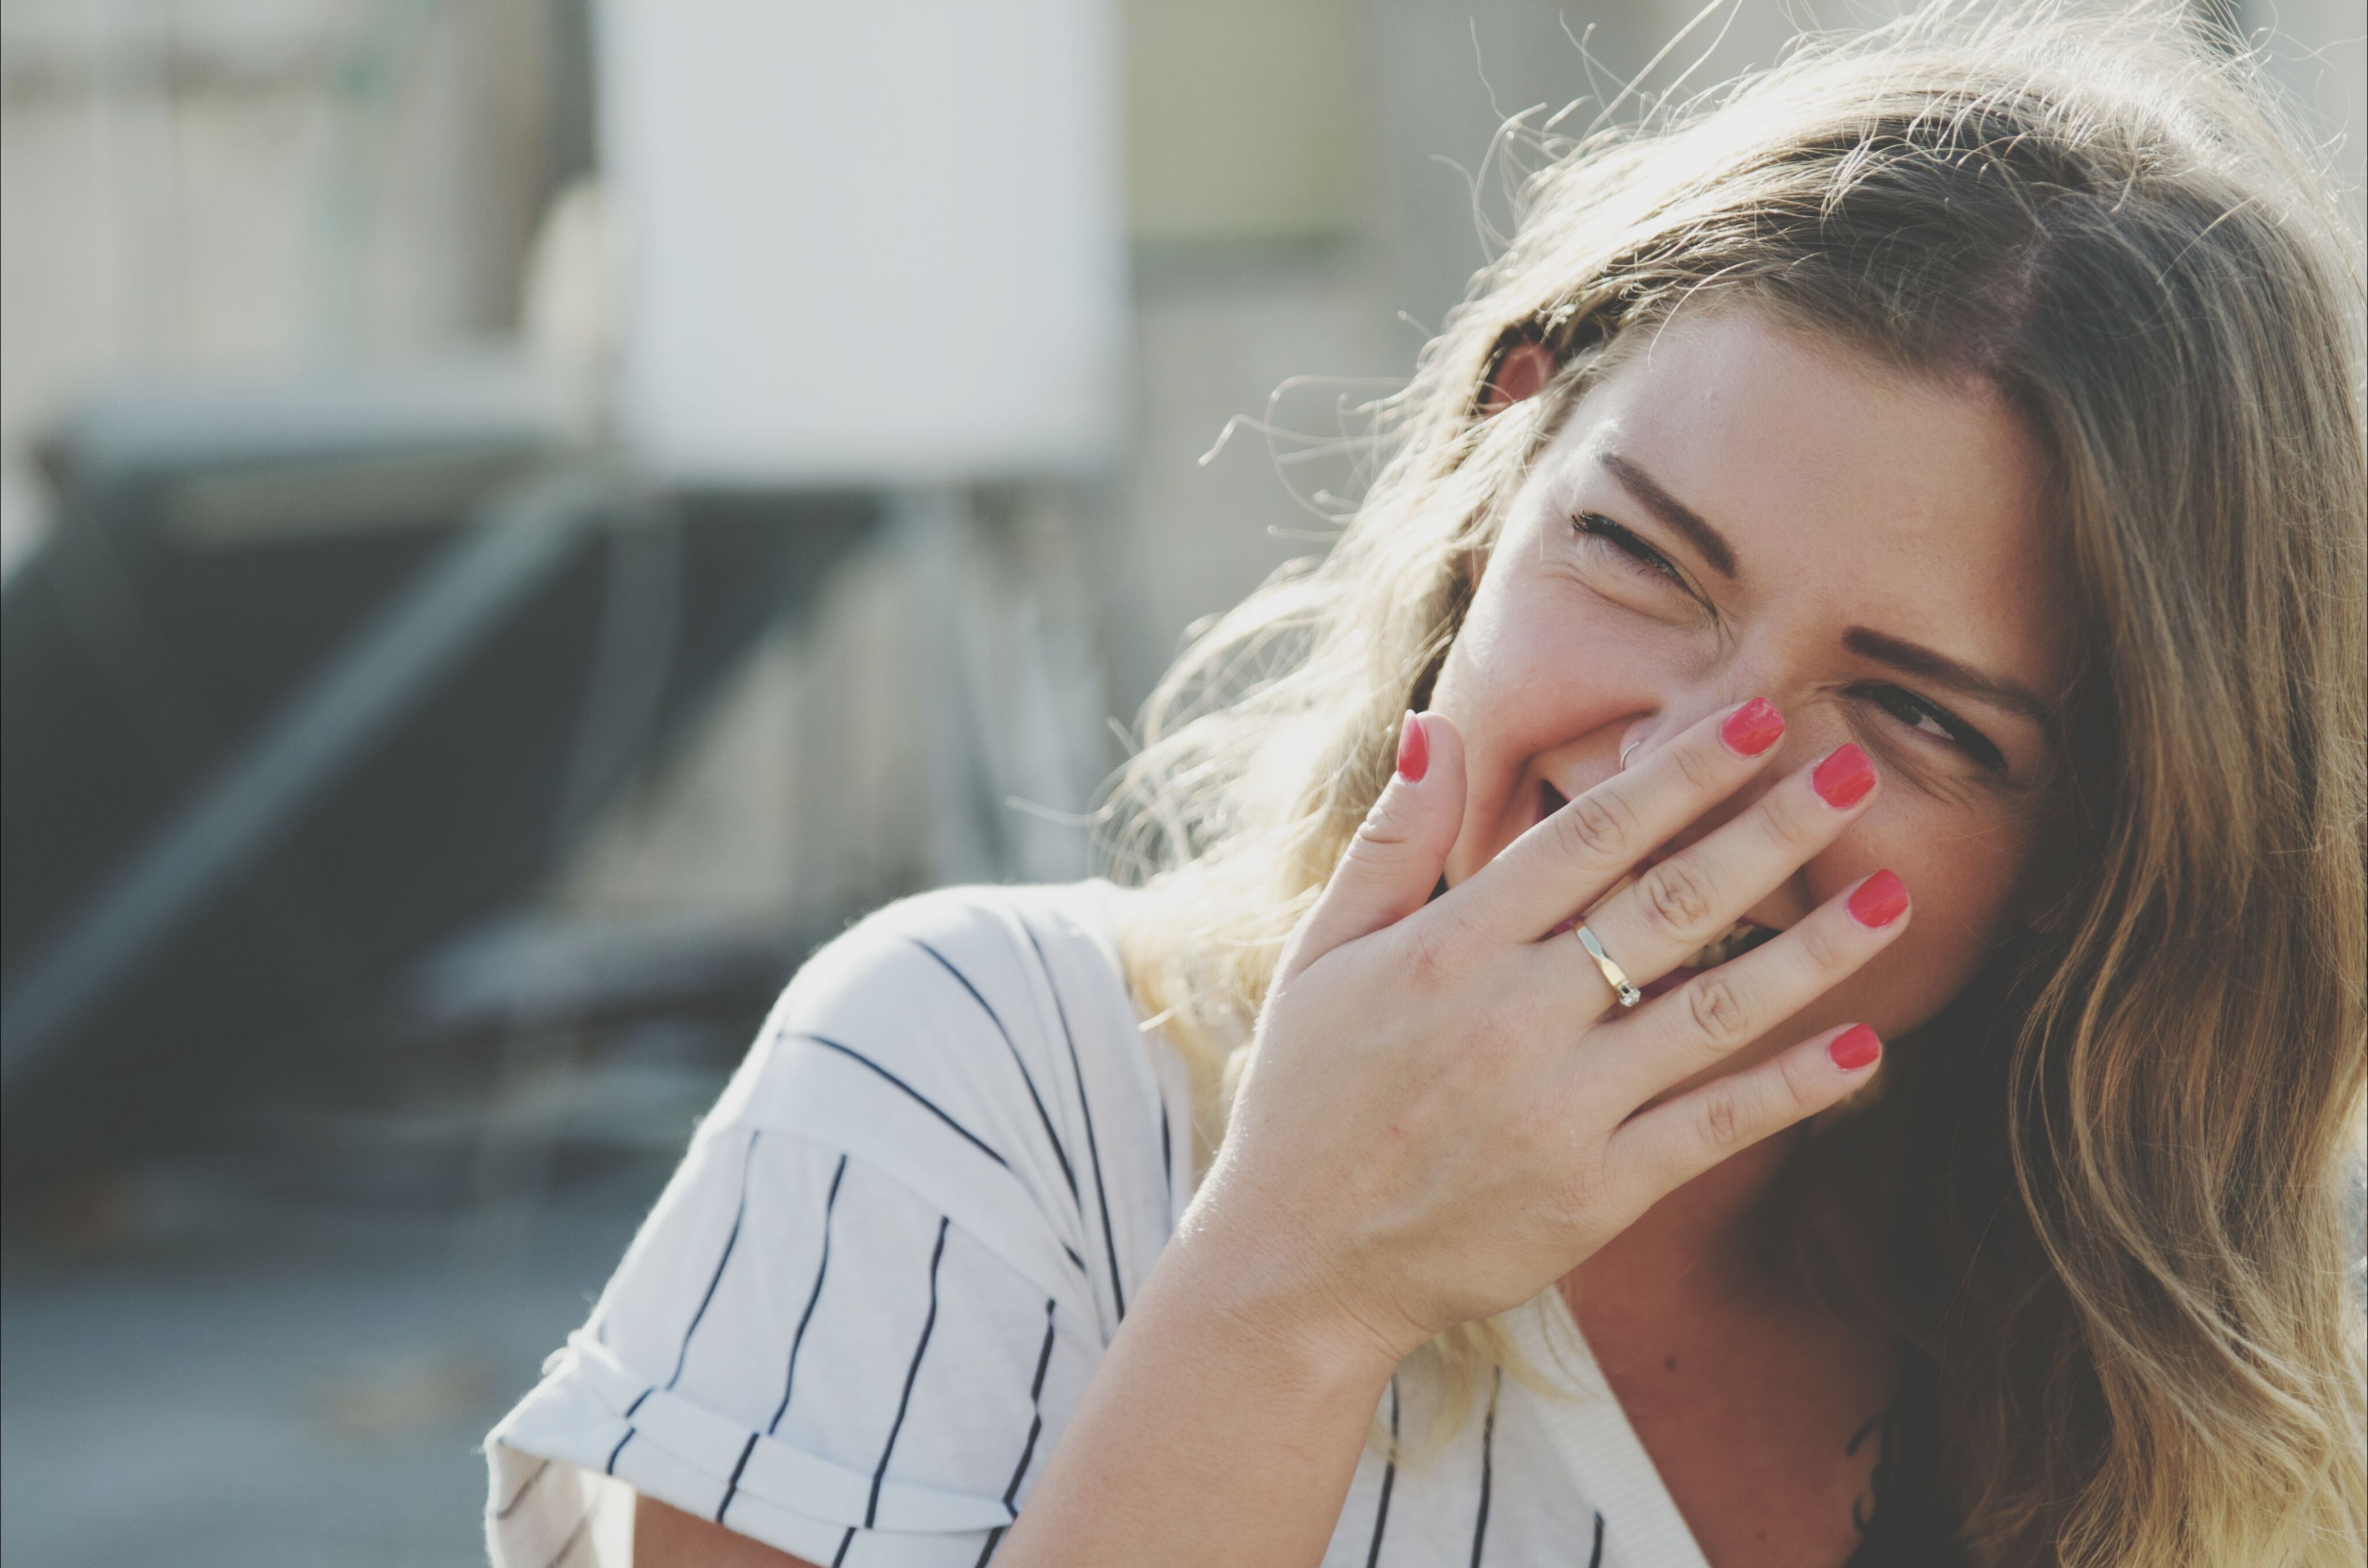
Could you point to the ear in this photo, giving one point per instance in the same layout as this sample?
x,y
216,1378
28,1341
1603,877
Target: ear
x,y
1523,369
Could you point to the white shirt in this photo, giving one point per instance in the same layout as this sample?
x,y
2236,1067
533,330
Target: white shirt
x,y
864,1310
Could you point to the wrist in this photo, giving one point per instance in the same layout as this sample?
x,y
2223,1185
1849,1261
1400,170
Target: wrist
x,y
1248,1276
1263,1399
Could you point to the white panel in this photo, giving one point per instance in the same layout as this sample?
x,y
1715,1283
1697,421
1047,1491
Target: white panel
x,y
877,242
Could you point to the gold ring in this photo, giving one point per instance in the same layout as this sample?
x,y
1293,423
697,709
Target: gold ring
x,y
1629,994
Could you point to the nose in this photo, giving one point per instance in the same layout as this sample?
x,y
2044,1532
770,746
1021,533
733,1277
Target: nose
x,y
1648,734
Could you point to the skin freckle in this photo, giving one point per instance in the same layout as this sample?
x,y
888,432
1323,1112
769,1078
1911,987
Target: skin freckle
x,y
1798,461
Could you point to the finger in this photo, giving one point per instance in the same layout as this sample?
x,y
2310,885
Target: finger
x,y
1395,861
1565,862
1682,901
1659,1150
1701,1024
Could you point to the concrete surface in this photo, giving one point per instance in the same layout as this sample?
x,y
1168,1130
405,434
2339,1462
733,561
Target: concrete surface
x,y
236,1380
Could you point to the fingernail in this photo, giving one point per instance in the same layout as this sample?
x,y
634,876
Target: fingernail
x,y
1854,1048
1414,750
1843,778
1752,728
1878,900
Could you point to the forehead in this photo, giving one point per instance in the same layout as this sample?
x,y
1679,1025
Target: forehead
x,y
1845,486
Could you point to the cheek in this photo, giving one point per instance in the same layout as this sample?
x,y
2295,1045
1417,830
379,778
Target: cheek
x,y
1533,683
1964,878
1535,667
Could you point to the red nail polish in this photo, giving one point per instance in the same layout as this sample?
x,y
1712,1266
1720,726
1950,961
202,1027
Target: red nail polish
x,y
1414,750
1854,1048
1843,778
1752,728
1878,900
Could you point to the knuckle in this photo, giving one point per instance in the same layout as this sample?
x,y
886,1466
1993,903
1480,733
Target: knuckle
x,y
1790,824
1382,828
1823,947
1719,1012
1801,1089
1677,898
1700,768
1597,827
1719,1123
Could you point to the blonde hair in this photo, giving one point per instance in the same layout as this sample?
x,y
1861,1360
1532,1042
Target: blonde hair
x,y
2112,1175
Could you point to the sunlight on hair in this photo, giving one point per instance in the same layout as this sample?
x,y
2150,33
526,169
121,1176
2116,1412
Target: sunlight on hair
x,y
2149,1345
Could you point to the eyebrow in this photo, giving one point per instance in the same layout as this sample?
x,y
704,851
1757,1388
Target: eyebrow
x,y
1911,658
1707,540
1923,661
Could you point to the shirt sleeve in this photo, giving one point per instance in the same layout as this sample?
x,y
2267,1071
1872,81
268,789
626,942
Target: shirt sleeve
x,y
869,1301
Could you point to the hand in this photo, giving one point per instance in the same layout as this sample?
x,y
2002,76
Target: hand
x,y
1445,1109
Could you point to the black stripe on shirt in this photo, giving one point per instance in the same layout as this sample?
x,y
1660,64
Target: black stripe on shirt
x,y
994,1539
1488,1447
790,1378
575,1538
1167,1155
1036,1423
1389,1478
1093,1145
1595,1558
844,1542
506,1509
911,1373
747,1156
926,1103
1068,1174
610,1468
732,1487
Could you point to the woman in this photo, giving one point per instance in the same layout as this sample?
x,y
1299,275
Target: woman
x,y
1833,1034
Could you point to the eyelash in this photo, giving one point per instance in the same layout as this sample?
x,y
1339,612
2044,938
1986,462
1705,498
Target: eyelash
x,y
1594,525
1891,698
1962,735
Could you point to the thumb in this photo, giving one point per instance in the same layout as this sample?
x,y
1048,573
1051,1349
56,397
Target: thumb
x,y
1395,861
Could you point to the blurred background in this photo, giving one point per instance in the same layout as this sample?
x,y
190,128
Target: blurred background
x,y
519,518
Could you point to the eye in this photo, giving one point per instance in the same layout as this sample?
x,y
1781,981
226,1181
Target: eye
x,y
1641,556
1929,718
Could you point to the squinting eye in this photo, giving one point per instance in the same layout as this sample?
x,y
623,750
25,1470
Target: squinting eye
x,y
1643,556
1930,719
1908,711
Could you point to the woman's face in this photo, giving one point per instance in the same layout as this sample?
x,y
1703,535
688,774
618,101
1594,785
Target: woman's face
x,y
1741,510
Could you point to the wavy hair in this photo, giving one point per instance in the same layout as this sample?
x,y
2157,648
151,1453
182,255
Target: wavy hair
x,y
2111,1176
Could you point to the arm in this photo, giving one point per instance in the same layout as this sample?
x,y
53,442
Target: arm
x,y
1443,1114
668,1537
1224,1423
1211,1391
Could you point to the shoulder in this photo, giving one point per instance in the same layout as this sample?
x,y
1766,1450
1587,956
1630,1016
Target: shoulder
x,y
984,993
894,1252
972,959
980,1045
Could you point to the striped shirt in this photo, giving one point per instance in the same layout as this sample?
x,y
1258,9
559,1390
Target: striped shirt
x,y
865,1309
